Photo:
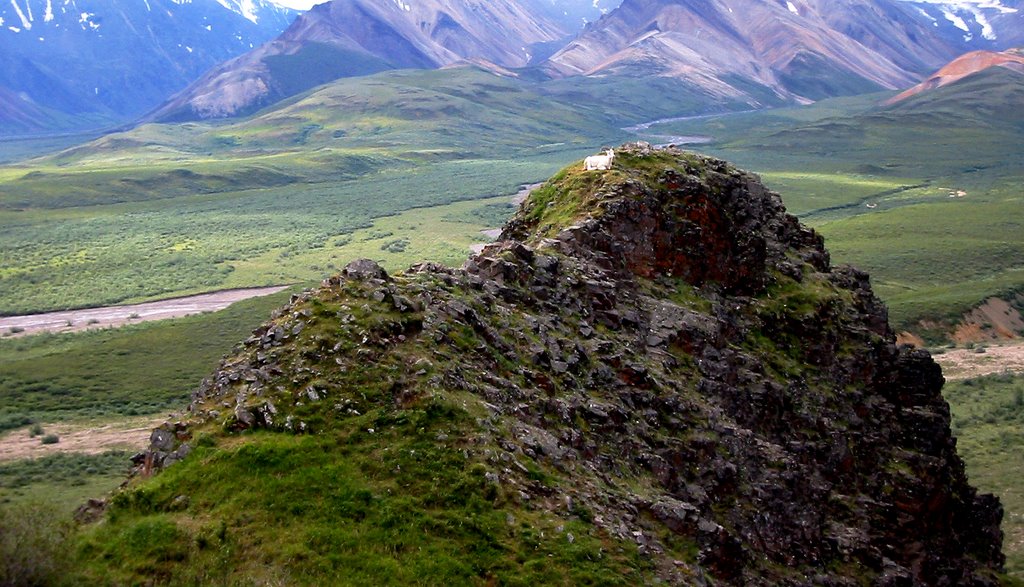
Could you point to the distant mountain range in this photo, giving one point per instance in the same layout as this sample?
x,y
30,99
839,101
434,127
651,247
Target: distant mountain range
x,y
65,63
355,37
65,60
797,49
761,52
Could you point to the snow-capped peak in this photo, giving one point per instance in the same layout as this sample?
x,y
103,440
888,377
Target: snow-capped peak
x,y
962,13
246,8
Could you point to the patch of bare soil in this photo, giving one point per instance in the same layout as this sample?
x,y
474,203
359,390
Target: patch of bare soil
x,y
994,320
75,320
907,337
968,363
132,434
524,192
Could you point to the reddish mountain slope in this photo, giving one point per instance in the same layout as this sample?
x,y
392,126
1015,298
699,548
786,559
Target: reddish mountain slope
x,y
963,66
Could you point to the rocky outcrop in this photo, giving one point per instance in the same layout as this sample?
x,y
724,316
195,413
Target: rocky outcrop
x,y
681,358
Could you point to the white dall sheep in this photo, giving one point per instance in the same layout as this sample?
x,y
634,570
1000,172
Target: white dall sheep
x,y
599,162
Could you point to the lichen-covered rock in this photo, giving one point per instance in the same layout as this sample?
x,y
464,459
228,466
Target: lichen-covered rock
x,y
679,355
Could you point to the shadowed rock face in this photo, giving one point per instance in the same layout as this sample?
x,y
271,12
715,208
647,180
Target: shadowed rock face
x,y
678,352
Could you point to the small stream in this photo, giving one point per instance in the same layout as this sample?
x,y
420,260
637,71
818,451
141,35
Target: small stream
x,y
640,129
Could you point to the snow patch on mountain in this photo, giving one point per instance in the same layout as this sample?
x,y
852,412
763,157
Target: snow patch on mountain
x,y
84,20
302,5
961,13
956,20
986,27
969,5
925,14
246,8
25,22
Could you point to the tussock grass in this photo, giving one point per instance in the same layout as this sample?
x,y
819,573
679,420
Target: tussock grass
x,y
391,507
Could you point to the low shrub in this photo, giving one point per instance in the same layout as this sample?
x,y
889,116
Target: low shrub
x,y
33,544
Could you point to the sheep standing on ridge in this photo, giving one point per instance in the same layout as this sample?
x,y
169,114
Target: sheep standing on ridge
x,y
599,162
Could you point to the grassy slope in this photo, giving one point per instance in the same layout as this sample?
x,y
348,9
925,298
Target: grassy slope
x,y
330,509
930,256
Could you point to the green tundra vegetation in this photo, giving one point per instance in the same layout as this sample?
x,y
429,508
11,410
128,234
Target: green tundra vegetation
x,y
988,421
101,375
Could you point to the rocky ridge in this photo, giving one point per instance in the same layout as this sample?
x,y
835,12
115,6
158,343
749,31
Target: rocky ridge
x,y
658,352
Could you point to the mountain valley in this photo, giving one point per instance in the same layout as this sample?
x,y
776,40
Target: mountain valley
x,y
654,374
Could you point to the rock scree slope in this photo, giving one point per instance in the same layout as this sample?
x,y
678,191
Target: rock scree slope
x,y
655,373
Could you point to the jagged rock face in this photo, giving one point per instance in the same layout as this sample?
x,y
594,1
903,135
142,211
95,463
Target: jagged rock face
x,y
712,231
679,352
